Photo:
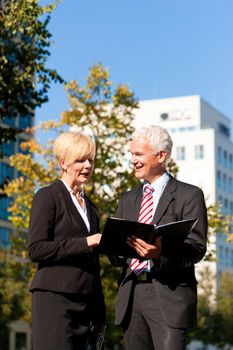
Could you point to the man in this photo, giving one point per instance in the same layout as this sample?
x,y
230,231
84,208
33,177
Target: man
x,y
157,296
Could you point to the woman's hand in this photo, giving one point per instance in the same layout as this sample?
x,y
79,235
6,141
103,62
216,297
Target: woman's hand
x,y
94,240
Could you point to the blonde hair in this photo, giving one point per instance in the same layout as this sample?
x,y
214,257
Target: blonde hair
x,y
71,146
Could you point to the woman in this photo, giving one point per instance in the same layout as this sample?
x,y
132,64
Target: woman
x,y
63,233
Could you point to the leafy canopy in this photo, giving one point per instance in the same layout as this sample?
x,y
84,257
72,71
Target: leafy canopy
x,y
24,51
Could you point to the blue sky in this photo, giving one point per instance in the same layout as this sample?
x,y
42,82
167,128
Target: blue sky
x,y
160,48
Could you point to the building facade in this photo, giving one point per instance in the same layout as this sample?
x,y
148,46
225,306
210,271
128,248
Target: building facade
x,y
7,172
203,151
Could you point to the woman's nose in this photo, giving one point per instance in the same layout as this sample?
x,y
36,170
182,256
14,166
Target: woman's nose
x,y
88,163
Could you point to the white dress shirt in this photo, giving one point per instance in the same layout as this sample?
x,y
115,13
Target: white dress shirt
x,y
158,186
82,210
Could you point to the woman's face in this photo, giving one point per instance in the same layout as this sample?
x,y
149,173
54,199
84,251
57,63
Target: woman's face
x,y
79,172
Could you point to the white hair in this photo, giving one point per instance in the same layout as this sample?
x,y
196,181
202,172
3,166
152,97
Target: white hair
x,y
158,138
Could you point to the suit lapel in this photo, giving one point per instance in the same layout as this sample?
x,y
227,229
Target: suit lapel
x,y
72,210
92,216
135,203
165,200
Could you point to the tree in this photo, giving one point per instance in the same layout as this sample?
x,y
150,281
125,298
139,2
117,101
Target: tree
x,y
215,321
173,167
211,320
225,307
14,296
217,224
24,50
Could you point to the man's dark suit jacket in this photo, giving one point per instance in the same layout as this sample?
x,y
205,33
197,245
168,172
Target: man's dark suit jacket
x,y
57,241
174,272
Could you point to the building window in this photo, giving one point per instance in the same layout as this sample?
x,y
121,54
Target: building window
x,y
225,182
231,258
225,206
4,205
224,129
226,256
5,237
225,158
219,179
6,172
230,184
10,121
231,208
221,253
25,122
231,161
180,153
199,152
219,155
20,340
8,149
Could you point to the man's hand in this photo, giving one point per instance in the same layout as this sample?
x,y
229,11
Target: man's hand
x,y
145,250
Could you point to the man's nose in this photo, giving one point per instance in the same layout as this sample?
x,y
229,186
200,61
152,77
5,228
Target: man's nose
x,y
133,160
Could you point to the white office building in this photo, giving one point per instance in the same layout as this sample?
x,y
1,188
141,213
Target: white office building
x,y
203,151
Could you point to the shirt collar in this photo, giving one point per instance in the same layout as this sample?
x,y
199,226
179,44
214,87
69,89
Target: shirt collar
x,y
70,189
159,184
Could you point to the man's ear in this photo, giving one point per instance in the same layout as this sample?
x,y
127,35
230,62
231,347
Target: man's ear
x,y
162,156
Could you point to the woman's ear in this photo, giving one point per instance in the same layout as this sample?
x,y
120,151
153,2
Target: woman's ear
x,y
63,165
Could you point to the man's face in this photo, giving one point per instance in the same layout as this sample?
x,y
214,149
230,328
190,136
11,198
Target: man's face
x,y
148,165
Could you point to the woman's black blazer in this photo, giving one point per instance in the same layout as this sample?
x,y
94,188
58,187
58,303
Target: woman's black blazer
x,y
57,242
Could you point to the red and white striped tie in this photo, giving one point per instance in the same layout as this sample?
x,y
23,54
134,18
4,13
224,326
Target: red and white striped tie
x,y
145,216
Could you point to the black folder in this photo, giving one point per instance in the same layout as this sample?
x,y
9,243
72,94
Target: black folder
x,y
116,231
